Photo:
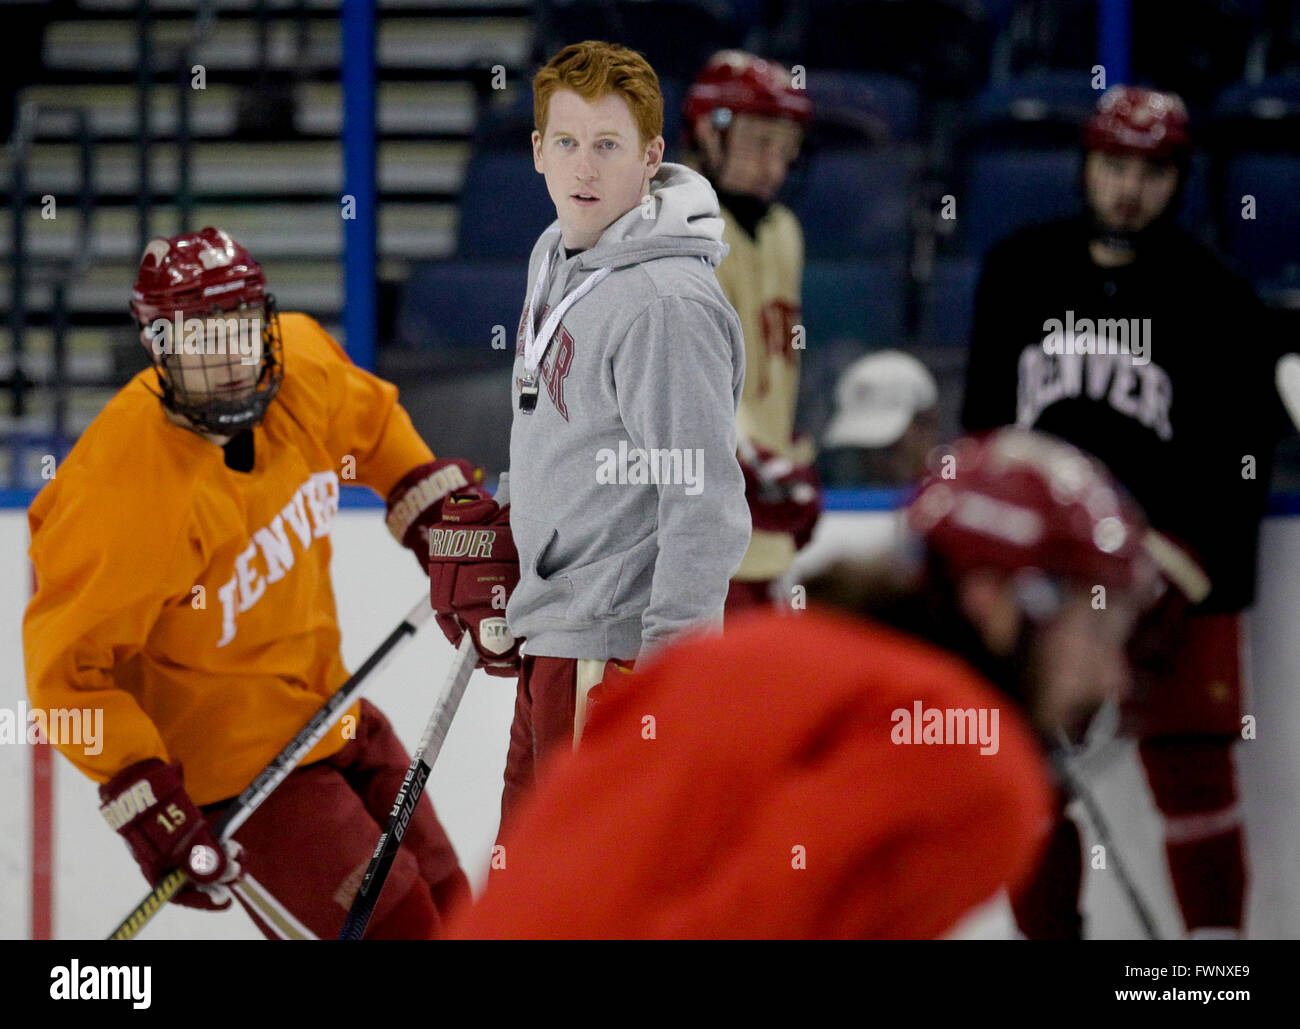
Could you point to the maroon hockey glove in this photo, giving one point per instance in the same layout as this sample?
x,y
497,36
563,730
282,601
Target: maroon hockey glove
x,y
783,496
415,503
473,569
146,802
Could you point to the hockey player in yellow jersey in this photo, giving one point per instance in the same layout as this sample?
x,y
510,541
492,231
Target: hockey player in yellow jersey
x,y
182,560
744,122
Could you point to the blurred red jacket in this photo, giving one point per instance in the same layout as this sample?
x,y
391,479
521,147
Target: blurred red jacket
x,y
756,785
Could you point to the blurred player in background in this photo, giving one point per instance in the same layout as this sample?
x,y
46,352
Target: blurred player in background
x,y
1176,397
885,424
182,561
626,503
717,795
744,124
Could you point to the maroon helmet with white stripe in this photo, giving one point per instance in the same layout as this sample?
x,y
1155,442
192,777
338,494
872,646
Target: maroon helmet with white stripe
x,y
1017,499
184,283
735,82
1135,120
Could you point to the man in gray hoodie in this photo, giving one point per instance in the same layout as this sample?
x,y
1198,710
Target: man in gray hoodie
x,y
626,501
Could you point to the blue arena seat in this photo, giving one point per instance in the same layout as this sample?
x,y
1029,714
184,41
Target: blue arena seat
x,y
504,206
1258,116
1268,246
1005,190
505,122
998,11
843,98
860,300
676,36
857,203
674,93
1277,96
942,45
1041,95
461,304
948,303
1194,212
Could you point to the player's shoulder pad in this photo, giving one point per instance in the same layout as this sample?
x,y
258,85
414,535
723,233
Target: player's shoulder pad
x,y
130,460
303,335
313,359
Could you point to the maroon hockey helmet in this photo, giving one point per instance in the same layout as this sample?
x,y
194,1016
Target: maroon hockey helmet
x,y
735,82
1135,120
1017,500
201,275
197,274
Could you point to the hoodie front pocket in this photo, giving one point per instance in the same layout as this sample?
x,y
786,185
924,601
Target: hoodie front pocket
x,y
616,585
541,563
542,591
536,542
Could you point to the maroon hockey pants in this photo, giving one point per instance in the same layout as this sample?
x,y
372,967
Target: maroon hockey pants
x,y
307,847
551,703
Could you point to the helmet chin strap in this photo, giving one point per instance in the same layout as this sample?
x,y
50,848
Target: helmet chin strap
x,y
1124,242
219,419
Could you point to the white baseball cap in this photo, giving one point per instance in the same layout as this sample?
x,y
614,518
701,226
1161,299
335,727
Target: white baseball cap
x,y
876,399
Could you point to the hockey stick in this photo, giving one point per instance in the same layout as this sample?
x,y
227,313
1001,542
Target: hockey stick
x,y
412,788
281,765
1062,759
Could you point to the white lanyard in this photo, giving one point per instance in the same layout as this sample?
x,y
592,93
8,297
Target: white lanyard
x,y
535,344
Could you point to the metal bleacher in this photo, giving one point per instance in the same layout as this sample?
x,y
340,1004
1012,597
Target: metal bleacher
x,y
252,146
915,101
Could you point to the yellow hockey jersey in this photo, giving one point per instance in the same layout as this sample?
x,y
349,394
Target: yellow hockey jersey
x,y
192,603
762,277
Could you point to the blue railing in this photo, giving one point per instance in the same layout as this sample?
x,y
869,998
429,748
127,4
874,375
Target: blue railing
x,y
886,499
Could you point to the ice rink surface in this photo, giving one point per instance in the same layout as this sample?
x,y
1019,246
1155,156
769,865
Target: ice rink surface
x,y
97,883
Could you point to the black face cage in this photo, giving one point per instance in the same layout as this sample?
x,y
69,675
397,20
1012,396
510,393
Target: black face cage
x,y
207,403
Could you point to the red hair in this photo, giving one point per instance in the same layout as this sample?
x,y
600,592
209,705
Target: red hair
x,y
594,69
